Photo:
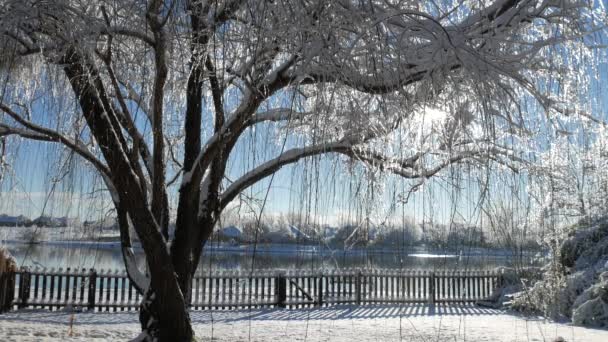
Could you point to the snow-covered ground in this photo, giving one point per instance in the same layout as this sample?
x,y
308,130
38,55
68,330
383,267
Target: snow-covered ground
x,y
340,323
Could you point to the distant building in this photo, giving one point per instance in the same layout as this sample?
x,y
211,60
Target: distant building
x,y
12,221
50,221
108,224
286,234
297,234
231,232
351,235
329,232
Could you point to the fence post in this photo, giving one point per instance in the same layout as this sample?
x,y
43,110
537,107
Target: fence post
x,y
432,288
3,290
281,290
24,288
320,291
358,288
7,288
501,278
92,290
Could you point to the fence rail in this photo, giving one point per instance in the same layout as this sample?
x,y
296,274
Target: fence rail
x,y
113,291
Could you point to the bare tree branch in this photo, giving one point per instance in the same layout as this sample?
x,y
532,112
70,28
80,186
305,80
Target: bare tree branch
x,y
37,132
409,168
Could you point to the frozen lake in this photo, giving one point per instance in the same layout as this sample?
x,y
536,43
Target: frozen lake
x,y
273,256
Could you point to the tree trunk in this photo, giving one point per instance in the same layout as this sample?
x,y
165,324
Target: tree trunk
x,y
183,243
161,322
186,251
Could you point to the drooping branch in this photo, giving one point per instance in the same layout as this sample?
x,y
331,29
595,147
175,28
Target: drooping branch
x,y
40,133
136,98
268,168
278,115
120,30
409,168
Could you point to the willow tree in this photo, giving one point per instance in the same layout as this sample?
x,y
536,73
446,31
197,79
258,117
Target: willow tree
x,y
156,95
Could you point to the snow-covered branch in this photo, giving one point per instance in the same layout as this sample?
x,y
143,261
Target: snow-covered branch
x,y
117,30
277,115
411,167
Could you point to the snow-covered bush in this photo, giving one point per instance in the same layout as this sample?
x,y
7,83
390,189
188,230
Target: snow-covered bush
x,y
574,283
513,282
591,307
544,296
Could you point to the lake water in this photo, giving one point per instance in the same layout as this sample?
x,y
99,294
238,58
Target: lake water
x,y
104,256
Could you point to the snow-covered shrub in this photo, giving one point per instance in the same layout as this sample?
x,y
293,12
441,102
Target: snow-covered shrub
x,y
574,283
591,307
513,282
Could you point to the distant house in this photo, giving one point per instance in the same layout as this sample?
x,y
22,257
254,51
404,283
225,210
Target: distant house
x,y
12,221
232,233
328,233
297,234
351,235
50,221
286,234
277,236
108,224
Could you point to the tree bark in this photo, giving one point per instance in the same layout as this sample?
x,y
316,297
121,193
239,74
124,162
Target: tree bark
x,y
155,326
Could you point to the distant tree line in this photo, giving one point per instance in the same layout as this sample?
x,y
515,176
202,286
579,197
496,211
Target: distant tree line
x,y
41,221
290,228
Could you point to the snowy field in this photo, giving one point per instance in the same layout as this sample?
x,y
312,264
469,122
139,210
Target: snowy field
x,y
342,324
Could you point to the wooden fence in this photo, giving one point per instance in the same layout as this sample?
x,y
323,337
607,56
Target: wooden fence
x,y
112,291
7,282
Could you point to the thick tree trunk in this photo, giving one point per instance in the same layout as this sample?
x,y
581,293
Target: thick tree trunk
x,y
160,322
169,322
185,238
186,250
